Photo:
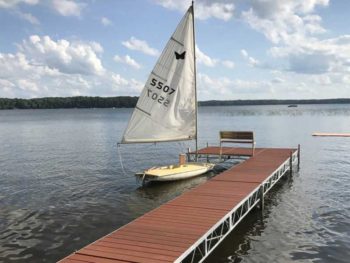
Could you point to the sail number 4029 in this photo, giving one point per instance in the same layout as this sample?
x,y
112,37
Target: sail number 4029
x,y
159,85
155,96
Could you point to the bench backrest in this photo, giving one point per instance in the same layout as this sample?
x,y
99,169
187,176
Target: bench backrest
x,y
237,136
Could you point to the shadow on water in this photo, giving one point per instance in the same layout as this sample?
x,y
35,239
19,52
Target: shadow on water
x,y
160,190
166,191
153,194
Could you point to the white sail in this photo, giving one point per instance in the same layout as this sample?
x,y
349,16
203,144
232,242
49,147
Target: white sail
x,y
166,109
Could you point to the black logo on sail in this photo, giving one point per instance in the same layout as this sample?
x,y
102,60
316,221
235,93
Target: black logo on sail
x,y
180,56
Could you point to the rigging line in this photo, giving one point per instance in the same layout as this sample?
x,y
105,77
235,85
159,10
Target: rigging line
x,y
121,160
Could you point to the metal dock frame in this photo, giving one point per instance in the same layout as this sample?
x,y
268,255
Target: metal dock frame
x,y
209,241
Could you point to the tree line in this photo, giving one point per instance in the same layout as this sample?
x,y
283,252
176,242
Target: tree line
x,y
130,102
68,102
273,102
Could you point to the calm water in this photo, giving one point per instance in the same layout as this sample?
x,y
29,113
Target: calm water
x,y
62,186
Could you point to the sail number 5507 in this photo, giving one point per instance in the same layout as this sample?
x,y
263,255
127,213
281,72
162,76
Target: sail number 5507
x,y
156,97
159,85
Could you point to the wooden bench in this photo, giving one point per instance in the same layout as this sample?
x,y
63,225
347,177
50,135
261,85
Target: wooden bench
x,y
237,137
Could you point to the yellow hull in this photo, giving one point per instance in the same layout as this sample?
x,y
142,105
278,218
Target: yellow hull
x,y
174,172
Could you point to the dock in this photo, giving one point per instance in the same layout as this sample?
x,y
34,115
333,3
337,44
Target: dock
x,y
189,227
327,134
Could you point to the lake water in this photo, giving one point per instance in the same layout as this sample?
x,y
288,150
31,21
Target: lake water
x,y
62,185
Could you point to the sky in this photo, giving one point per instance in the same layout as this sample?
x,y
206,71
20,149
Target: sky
x,y
245,49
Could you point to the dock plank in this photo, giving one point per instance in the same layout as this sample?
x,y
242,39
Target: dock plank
x,y
91,259
133,254
119,256
142,244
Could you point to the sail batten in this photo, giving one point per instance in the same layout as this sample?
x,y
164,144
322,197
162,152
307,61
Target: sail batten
x,y
166,109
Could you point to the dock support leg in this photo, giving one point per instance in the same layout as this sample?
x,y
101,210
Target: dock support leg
x,y
207,154
291,164
261,202
298,157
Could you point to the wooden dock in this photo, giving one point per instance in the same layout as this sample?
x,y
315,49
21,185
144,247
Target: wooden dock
x,y
327,134
189,227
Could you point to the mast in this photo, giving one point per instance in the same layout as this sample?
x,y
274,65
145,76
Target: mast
x,y
195,79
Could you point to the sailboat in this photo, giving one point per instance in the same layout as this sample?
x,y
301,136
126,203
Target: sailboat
x,y
167,108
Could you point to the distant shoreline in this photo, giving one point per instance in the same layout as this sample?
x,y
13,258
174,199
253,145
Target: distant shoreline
x,y
273,102
130,102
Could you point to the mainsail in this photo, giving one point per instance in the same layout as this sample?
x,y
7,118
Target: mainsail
x,y
166,109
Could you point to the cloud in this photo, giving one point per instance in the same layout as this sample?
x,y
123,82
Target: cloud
x,y
21,78
224,88
28,85
285,21
216,10
105,21
269,9
228,64
63,7
43,67
278,80
251,61
68,57
28,17
140,45
293,27
310,62
315,56
287,85
322,80
316,63
128,61
68,7
203,9
6,86
205,59
14,3
124,86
